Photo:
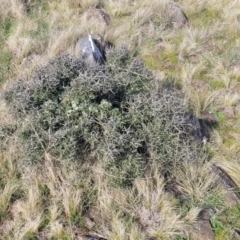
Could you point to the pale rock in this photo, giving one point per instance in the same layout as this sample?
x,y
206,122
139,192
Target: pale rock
x,y
232,193
228,111
98,15
202,228
209,117
90,50
177,16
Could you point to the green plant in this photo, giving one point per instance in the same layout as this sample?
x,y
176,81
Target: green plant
x,y
30,235
220,115
216,224
112,113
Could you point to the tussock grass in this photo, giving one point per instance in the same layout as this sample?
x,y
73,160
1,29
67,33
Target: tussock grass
x,y
13,9
155,211
198,183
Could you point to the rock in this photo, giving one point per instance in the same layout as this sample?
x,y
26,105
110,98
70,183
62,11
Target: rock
x,y
235,65
149,218
177,16
232,195
228,111
236,88
202,228
83,233
237,108
196,128
98,15
231,198
91,50
101,43
91,237
236,234
201,86
88,222
209,117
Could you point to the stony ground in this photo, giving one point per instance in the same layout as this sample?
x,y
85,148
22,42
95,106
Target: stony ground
x,y
195,45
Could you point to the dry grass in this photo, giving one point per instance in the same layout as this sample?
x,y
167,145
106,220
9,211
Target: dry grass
x,y
156,213
52,201
12,9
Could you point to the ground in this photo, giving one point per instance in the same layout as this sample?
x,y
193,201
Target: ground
x,y
62,200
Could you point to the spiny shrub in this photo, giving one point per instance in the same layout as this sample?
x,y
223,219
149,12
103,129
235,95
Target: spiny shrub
x,y
114,113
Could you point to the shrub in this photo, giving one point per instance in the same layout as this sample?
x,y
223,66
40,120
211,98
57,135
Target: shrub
x,y
113,113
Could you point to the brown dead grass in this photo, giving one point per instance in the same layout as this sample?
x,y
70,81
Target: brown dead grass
x,y
200,51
